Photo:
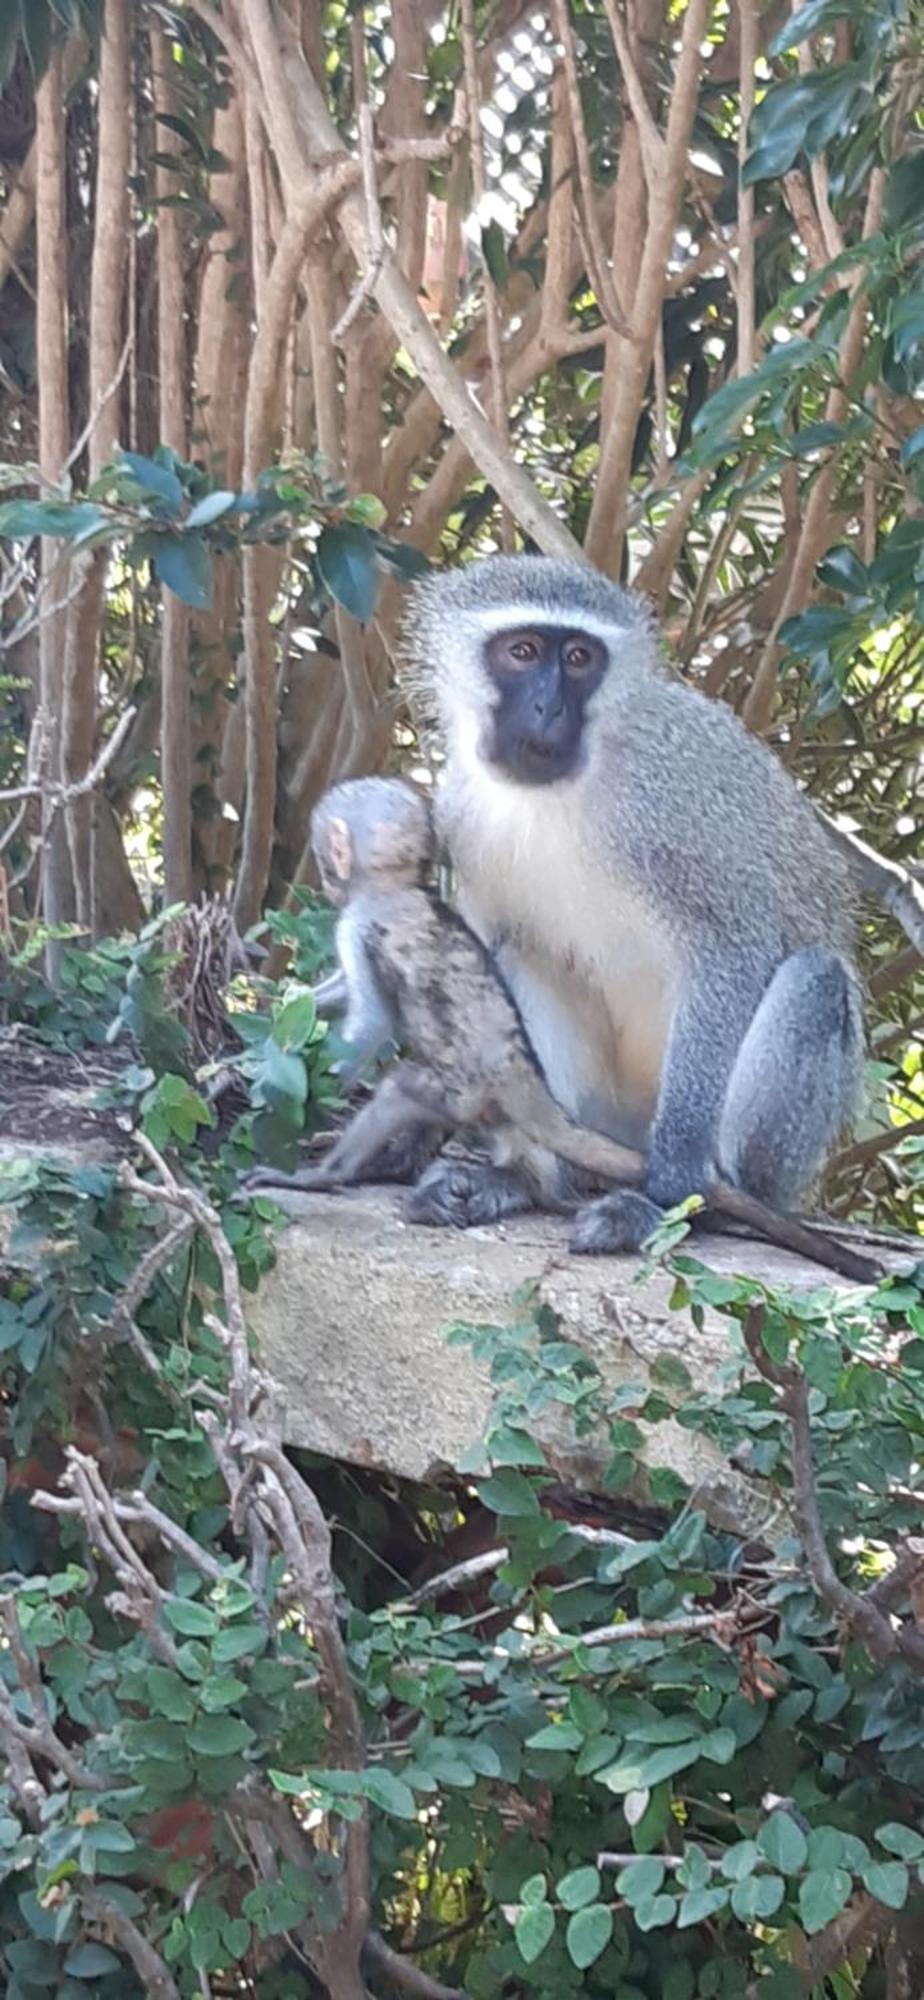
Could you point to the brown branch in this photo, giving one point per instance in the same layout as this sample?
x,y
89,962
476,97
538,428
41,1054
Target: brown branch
x,y
300,141
114,1925
696,1624
176,708
607,523
746,306
598,271
39,1739
860,1615
54,438
651,141
493,328
865,1150
813,539
407,1977
374,226
896,888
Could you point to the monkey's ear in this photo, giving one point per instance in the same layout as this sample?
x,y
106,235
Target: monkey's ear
x,y
340,849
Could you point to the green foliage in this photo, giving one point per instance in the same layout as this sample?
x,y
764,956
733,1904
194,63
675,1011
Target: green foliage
x,y
164,511
601,1800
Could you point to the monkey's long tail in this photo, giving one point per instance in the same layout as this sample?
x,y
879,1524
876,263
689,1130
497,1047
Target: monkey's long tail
x,y
548,1125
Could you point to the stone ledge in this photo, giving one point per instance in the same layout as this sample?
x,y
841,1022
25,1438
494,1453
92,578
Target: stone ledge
x,y
350,1324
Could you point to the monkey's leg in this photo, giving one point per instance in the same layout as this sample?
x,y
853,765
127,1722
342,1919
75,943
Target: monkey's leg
x,y
396,1111
797,1080
707,1030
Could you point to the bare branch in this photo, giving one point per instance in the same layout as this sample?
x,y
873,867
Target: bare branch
x,y
598,270
113,1924
861,1615
409,1978
38,1739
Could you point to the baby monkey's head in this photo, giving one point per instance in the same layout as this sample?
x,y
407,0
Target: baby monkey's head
x,y
370,833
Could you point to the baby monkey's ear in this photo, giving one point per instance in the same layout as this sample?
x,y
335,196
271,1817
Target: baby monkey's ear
x,y
339,849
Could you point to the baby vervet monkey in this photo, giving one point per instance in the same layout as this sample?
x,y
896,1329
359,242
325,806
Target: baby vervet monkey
x,y
411,972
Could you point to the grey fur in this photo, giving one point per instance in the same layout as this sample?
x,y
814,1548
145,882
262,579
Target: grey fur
x,y
413,973
673,920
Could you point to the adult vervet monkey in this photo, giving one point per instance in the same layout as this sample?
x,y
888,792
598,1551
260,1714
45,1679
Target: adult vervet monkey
x,y
667,910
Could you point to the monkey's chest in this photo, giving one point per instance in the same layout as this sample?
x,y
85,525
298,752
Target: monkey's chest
x,y
598,962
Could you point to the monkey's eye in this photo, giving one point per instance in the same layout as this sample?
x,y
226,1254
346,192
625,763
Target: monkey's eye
x,y
525,652
582,656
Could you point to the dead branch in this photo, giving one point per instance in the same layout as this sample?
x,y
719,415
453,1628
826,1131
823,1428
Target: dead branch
x,y
38,1738
374,224
896,888
859,1614
409,1978
747,312
598,269
114,1925
300,140
491,1560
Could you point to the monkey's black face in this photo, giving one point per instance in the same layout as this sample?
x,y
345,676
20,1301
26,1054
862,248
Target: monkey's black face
x,y
543,678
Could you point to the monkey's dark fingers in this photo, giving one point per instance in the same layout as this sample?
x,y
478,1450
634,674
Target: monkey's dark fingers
x,y
307,1180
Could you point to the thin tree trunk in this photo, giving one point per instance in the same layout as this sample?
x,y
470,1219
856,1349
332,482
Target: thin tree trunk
x,y
54,441
220,382
175,765
107,299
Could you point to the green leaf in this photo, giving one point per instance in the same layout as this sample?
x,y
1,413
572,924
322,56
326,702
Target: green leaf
x,y
10,29
698,1904
588,1934
739,1861
91,1961
171,1696
507,1492
347,564
195,1621
534,1890
783,1843
183,566
757,1897
534,1928
556,1736
578,1888
905,1841
296,1019
36,34
815,14
640,1879
888,1882
383,1789
219,1735
62,519
210,508
366,509
843,570
822,1896
653,1912
154,478
494,252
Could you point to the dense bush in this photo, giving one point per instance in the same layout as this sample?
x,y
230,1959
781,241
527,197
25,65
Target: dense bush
x,y
639,1758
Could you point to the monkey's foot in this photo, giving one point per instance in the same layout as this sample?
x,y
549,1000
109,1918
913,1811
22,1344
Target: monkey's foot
x,y
618,1222
458,1194
404,1158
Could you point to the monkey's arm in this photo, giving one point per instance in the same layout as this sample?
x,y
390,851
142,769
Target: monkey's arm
x,y
332,995
370,1020
406,1101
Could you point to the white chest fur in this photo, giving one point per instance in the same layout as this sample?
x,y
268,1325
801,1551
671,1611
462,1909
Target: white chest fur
x,y
585,955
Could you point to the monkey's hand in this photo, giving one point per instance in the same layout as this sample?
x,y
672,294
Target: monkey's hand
x,y
619,1222
305,1179
459,1194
